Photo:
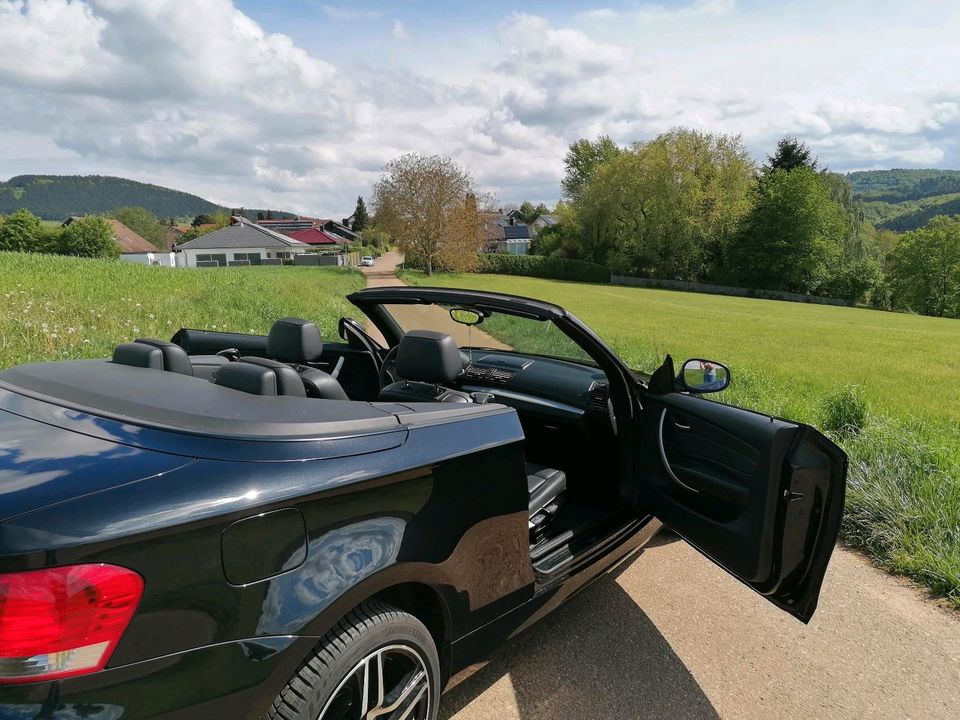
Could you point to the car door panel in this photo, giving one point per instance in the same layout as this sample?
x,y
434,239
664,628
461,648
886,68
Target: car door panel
x,y
759,496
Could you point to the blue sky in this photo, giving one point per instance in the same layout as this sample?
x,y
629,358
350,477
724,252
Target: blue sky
x,y
299,103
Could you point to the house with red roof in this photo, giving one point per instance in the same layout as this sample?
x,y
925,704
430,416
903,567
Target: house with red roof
x,y
315,236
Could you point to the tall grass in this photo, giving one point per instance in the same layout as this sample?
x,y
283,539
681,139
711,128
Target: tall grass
x,y
54,308
883,386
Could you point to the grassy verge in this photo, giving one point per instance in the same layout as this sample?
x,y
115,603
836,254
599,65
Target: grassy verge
x,y
882,384
54,308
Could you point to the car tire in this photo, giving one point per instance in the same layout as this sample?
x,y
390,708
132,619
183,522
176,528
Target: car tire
x,y
371,640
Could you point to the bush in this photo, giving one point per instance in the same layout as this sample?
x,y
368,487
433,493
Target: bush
x,y
90,237
552,268
21,231
844,412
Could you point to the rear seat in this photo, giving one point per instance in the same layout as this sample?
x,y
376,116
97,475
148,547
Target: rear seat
x,y
163,355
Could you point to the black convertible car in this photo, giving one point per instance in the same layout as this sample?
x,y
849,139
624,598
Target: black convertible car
x,y
239,526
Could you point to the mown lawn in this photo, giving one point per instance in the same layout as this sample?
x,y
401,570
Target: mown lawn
x,y
819,364
54,308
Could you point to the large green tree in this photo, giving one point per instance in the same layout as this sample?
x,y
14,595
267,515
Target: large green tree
x,y
925,269
21,231
360,216
144,223
581,163
669,207
793,236
91,236
791,154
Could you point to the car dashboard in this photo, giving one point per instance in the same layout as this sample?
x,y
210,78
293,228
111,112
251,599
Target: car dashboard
x,y
537,384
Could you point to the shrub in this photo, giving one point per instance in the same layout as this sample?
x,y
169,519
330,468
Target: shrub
x,y
844,412
89,237
543,267
22,231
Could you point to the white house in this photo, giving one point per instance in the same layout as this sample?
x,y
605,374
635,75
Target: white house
x,y
241,243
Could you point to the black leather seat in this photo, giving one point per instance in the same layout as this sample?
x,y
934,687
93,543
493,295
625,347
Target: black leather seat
x,y
298,342
546,487
426,360
154,354
260,376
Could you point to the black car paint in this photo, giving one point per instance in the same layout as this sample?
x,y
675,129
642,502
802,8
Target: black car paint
x,y
373,521
435,511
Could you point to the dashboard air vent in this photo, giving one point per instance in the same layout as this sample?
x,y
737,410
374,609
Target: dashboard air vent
x,y
497,376
598,396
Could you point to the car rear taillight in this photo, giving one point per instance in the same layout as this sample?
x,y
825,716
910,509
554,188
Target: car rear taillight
x,y
65,621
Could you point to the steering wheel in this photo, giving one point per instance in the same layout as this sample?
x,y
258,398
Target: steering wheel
x,y
388,370
351,331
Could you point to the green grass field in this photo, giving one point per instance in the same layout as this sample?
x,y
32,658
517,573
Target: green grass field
x,y
886,385
59,308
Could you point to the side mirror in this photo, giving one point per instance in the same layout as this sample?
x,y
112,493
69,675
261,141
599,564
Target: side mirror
x,y
703,376
465,316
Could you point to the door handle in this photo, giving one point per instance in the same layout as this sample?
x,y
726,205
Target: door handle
x,y
663,457
681,427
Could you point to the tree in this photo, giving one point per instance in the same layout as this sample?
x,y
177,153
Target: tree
x,y
91,236
790,154
581,163
21,231
201,219
669,207
925,269
143,222
793,236
360,217
530,212
422,201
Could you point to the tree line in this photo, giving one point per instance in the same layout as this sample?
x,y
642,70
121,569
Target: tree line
x,y
692,205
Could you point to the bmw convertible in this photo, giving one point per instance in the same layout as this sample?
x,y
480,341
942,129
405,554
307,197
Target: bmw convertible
x,y
227,525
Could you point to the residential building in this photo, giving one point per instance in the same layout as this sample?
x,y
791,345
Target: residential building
x,y
306,223
242,242
542,222
316,237
502,233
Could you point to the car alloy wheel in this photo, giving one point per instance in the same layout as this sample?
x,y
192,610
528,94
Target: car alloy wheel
x,y
391,683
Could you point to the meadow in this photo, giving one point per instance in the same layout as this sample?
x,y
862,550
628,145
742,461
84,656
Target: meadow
x,y
57,308
886,386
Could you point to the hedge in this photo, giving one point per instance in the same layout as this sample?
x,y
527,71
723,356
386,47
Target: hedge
x,y
543,267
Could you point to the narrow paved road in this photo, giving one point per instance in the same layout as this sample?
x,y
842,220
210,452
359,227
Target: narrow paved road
x,y
671,636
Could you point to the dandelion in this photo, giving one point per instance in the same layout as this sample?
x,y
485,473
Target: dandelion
x,y
136,329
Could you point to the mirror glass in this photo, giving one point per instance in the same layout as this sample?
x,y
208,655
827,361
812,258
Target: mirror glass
x,y
466,316
704,376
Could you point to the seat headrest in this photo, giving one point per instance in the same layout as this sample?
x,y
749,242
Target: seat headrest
x,y
428,356
259,376
154,354
175,358
294,341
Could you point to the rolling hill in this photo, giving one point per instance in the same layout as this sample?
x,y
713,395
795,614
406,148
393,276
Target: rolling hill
x,y
55,197
903,200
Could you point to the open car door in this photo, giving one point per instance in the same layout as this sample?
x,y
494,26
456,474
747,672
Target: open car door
x,y
760,496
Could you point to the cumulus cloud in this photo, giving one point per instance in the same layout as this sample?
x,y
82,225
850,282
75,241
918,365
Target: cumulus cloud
x,y
202,97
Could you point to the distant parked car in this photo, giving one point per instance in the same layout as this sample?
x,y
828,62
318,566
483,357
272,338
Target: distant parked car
x,y
366,261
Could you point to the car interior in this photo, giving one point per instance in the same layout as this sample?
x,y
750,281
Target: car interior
x,y
574,478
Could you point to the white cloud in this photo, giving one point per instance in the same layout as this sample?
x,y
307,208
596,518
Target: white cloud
x,y
200,96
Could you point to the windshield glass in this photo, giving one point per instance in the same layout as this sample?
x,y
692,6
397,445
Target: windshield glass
x,y
497,331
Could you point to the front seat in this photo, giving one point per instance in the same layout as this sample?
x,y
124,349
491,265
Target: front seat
x,y
297,342
426,360
260,376
546,487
